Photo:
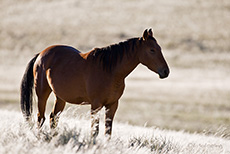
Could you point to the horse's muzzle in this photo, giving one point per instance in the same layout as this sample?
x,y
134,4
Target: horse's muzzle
x,y
163,73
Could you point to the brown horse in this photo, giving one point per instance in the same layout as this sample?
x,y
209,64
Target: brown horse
x,y
95,78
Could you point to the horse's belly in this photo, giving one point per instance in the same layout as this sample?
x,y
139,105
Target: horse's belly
x,y
69,87
77,100
70,93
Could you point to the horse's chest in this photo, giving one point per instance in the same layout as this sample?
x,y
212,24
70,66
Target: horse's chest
x,y
116,90
105,92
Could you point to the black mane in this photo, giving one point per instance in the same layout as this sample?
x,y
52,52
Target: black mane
x,y
111,55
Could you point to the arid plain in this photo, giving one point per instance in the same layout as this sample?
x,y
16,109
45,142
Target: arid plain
x,y
194,36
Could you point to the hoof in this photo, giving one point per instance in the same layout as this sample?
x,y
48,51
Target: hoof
x,y
41,122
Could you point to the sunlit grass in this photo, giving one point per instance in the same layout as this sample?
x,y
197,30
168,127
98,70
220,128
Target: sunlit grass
x,y
194,36
72,136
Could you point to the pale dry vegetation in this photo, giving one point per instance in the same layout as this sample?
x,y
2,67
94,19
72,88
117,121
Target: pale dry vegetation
x,y
72,137
194,36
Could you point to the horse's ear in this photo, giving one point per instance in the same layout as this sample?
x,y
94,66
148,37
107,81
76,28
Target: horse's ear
x,y
150,32
145,34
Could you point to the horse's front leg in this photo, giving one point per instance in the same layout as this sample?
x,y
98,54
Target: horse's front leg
x,y
94,121
109,115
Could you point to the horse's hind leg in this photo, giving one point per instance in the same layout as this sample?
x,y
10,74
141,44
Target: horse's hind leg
x,y
41,109
43,91
58,108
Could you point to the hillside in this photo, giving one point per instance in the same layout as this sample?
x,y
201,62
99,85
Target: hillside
x,y
194,36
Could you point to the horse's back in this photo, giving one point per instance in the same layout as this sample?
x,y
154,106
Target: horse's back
x,y
58,55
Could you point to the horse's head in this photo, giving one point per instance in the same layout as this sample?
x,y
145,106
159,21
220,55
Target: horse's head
x,y
151,56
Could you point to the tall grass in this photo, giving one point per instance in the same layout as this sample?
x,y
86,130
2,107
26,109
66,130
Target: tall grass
x,y
72,136
194,36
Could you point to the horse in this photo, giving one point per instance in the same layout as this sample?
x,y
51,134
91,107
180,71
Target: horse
x,y
96,77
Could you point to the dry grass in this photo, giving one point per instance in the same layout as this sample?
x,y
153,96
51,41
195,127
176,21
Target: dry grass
x,y
195,25
194,35
72,136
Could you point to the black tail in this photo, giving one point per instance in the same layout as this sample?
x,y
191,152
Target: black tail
x,y
26,90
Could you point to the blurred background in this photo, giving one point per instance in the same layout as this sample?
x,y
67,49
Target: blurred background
x,y
194,36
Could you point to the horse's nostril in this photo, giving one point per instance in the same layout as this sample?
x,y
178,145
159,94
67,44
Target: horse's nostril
x,y
166,72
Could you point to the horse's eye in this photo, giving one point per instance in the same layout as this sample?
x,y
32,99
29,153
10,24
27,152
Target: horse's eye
x,y
152,50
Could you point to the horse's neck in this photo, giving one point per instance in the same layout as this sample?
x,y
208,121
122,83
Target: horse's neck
x,y
127,65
